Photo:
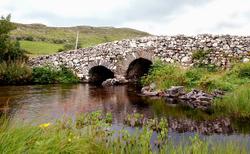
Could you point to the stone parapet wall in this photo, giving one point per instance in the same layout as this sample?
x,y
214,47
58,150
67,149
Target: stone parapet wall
x,y
224,49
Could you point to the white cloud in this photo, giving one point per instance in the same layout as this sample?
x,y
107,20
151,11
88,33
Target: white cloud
x,y
157,17
211,17
217,17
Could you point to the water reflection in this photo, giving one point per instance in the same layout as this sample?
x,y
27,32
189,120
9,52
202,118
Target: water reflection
x,y
50,102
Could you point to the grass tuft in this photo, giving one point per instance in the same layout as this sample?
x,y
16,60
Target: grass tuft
x,y
164,75
14,73
237,102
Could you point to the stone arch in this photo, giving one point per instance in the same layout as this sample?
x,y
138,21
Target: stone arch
x,y
101,62
141,54
137,68
98,74
99,71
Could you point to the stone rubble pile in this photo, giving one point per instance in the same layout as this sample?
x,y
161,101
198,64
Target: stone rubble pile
x,y
171,49
196,99
181,125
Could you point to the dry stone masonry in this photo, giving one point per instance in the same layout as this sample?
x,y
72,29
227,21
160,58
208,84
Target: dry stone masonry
x,y
117,56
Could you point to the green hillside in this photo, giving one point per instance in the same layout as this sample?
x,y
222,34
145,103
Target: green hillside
x,y
39,39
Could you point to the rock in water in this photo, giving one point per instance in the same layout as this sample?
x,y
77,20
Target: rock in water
x,y
150,90
114,82
197,99
110,82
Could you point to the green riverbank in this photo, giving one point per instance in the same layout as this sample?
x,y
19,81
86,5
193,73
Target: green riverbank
x,y
91,133
234,82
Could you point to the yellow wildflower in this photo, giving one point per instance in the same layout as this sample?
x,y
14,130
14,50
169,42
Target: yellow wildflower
x,y
45,125
69,140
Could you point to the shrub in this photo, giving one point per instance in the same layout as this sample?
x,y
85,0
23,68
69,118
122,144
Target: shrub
x,y
71,46
65,75
47,75
14,73
58,41
29,38
165,75
43,39
199,56
9,49
193,76
44,75
241,70
214,81
60,50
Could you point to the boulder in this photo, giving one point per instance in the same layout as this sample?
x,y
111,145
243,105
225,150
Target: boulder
x,y
150,90
175,91
110,82
218,93
114,81
245,60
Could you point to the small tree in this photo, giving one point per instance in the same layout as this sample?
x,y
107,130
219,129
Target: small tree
x,y
9,49
70,46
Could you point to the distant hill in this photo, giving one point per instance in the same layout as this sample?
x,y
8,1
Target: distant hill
x,y
40,39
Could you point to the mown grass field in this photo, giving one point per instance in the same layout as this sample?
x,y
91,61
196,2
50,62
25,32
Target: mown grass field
x,y
47,40
40,48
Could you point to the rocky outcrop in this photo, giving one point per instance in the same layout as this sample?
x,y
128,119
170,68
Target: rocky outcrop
x,y
117,56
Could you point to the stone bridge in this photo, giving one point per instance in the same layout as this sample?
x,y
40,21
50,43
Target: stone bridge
x,y
132,58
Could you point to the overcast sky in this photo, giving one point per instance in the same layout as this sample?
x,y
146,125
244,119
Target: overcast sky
x,y
161,17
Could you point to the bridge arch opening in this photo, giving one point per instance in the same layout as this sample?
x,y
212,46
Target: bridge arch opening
x,y
98,74
138,68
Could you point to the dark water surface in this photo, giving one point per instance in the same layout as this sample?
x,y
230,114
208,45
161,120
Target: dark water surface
x,y
47,103
43,103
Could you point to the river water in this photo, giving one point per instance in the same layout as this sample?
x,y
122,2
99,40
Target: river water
x,y
47,103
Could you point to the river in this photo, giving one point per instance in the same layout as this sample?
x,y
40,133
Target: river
x,y
47,103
